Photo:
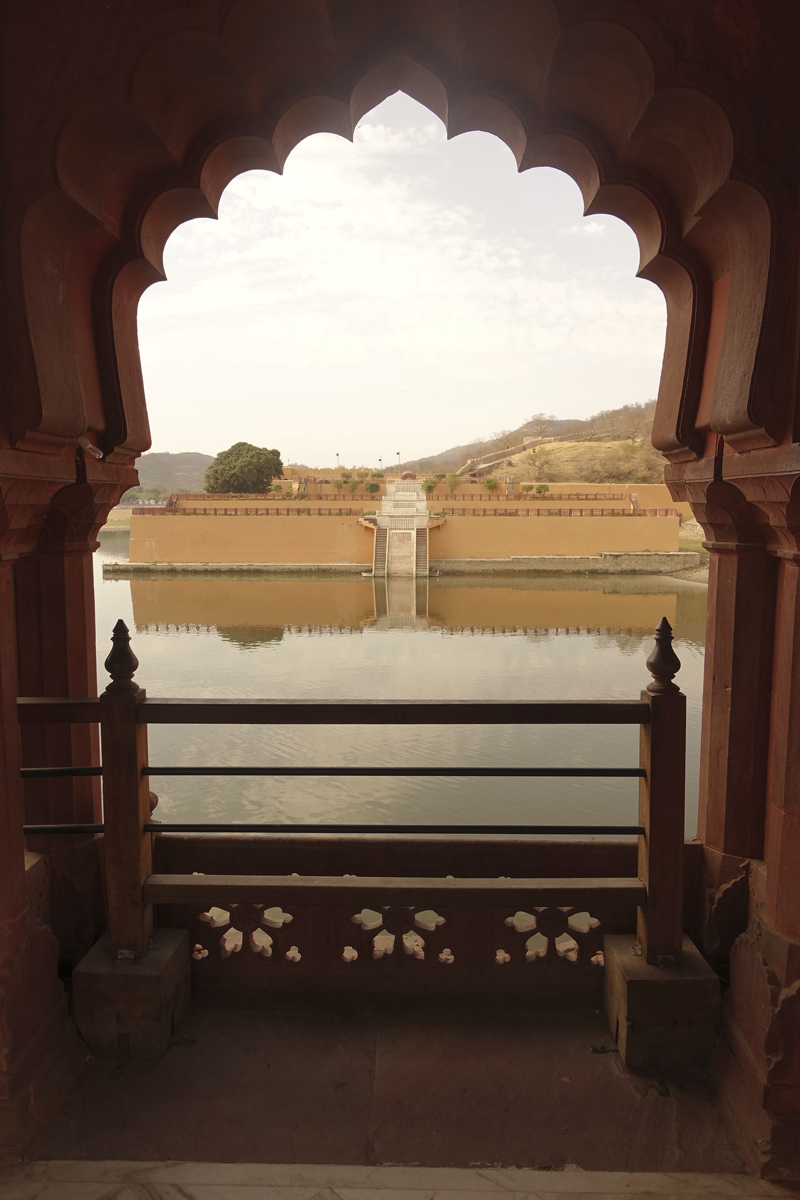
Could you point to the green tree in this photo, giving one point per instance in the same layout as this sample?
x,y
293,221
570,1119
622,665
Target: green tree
x,y
372,487
353,485
453,483
491,485
338,484
440,475
377,474
429,486
347,475
542,488
243,468
527,487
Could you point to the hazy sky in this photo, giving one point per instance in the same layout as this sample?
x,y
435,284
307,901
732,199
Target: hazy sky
x,y
399,293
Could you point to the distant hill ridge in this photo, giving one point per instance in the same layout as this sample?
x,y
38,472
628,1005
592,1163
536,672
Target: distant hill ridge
x,y
185,471
629,421
182,472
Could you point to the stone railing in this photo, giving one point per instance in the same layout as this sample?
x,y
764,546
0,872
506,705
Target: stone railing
x,y
239,915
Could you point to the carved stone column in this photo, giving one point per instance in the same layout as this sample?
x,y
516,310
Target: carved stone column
x,y
735,730
12,846
54,593
39,1051
738,666
56,652
49,516
750,797
782,854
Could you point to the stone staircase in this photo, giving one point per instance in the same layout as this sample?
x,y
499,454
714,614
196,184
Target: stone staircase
x,y
421,564
380,552
401,531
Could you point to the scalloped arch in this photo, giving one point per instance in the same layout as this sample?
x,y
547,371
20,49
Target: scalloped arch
x,y
594,98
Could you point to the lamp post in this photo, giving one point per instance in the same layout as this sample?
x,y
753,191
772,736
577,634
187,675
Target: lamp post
x,y
398,462
337,460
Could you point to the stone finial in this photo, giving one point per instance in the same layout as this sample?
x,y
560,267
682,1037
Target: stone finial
x,y
663,662
121,662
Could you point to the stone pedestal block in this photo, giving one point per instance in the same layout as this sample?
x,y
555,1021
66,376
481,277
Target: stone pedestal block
x,y
133,1007
756,1067
663,1018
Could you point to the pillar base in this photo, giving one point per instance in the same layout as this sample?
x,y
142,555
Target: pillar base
x,y
133,1007
662,1018
41,1055
35,1086
756,1067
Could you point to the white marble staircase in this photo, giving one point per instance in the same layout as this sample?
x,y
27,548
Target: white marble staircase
x,y
402,520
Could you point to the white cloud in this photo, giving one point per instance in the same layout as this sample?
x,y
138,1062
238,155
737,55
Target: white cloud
x,y
392,293
588,229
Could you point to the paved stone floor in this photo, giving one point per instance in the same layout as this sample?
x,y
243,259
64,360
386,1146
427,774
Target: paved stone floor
x,y
226,1181
466,1083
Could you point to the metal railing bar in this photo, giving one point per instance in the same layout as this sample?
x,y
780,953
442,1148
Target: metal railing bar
x,y
413,772
36,830
168,711
360,772
56,710
260,827
59,772
392,712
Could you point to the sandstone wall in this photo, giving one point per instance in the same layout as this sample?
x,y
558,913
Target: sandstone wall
x,y
504,537
250,539
301,539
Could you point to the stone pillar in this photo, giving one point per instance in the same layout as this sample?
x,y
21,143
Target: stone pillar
x,y
782,908
757,1066
39,1049
49,517
12,845
56,651
54,595
735,732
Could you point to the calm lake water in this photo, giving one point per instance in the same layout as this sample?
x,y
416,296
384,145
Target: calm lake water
x,y
353,638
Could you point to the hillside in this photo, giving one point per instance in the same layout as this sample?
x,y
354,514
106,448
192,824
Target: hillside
x,y
162,473
611,446
456,456
611,461
632,421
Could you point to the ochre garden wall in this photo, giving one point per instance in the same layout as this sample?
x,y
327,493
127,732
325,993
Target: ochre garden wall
x,y
259,539
250,539
502,537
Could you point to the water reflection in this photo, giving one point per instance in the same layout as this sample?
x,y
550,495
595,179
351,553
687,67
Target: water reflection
x,y
449,637
250,611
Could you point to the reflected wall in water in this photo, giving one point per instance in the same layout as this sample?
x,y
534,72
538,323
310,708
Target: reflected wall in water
x,y
253,611
255,603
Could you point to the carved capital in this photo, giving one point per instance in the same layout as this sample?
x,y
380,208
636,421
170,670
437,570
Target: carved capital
x,y
56,502
737,509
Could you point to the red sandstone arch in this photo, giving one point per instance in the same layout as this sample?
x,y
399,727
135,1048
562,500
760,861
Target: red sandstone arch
x,y
680,116
670,154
